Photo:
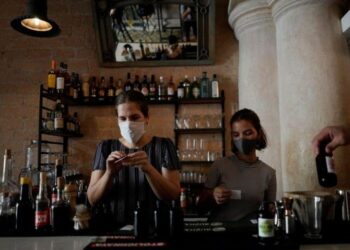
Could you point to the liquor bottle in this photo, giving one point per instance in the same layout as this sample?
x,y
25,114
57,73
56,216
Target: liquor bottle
x,y
161,89
215,87
140,221
59,116
176,221
82,195
67,80
76,85
180,91
160,217
102,89
58,173
111,89
119,88
266,227
204,85
93,89
187,87
24,207
327,176
8,195
183,199
76,123
60,81
86,89
171,89
136,85
60,211
51,78
153,88
195,88
42,207
70,86
128,86
145,86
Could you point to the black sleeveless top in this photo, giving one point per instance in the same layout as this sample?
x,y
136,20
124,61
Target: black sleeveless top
x,y
130,184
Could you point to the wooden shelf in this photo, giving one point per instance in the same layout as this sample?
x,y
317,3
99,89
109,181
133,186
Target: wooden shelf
x,y
199,131
200,101
60,134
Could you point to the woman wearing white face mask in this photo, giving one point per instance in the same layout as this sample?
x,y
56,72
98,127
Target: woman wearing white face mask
x,y
135,167
237,184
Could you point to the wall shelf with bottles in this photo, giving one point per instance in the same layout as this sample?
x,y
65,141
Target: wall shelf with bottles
x,y
47,124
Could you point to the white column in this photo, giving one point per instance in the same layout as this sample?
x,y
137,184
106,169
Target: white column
x,y
314,85
257,80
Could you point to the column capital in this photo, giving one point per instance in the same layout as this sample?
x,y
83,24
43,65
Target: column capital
x,y
248,14
281,7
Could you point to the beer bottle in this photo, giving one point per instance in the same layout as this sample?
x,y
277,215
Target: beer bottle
x,y
266,227
60,211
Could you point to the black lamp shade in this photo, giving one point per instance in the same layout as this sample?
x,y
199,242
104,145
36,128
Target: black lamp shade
x,y
35,22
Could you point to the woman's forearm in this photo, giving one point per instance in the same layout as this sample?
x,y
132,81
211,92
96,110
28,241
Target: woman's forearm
x,y
98,190
164,189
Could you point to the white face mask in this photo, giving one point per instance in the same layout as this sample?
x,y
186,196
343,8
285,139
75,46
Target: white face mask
x,y
132,131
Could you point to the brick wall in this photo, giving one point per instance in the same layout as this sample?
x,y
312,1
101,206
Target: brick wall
x,y
24,62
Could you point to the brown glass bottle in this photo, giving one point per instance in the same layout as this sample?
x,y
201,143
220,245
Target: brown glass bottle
x,y
266,228
25,208
58,173
60,211
42,207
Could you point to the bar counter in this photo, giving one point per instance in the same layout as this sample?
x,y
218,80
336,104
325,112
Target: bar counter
x,y
237,235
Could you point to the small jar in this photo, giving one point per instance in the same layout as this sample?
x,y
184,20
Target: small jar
x,y
82,218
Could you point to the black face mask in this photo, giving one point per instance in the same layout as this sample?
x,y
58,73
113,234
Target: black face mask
x,y
244,146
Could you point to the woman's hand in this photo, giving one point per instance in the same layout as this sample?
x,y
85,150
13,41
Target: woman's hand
x,y
114,162
221,194
335,136
138,159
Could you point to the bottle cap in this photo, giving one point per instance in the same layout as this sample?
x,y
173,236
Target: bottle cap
x,y
58,162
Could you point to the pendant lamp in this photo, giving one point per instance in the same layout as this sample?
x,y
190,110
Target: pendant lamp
x,y
35,21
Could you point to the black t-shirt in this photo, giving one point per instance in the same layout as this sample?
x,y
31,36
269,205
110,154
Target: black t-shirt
x,y
130,184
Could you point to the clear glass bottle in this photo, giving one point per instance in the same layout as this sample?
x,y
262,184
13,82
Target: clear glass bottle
x,y
9,194
215,93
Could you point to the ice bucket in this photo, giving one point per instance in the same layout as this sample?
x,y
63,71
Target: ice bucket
x,y
312,209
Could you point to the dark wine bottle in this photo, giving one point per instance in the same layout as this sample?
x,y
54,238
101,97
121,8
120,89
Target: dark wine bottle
x,y
176,221
161,225
25,208
327,176
140,222
60,211
266,227
42,207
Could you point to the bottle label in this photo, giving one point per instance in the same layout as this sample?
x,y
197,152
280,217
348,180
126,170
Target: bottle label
x,y
59,123
53,198
180,93
60,83
170,91
144,91
152,90
75,94
330,164
86,89
266,228
215,89
51,81
111,92
118,91
42,218
195,92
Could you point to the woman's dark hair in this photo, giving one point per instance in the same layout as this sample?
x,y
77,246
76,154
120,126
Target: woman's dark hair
x,y
133,96
252,117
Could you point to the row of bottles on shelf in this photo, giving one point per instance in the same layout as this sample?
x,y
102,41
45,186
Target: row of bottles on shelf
x,y
60,121
94,90
27,207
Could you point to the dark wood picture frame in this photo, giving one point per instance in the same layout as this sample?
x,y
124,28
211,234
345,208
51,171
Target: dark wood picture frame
x,y
205,10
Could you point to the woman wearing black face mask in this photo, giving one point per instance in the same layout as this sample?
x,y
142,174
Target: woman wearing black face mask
x,y
237,184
